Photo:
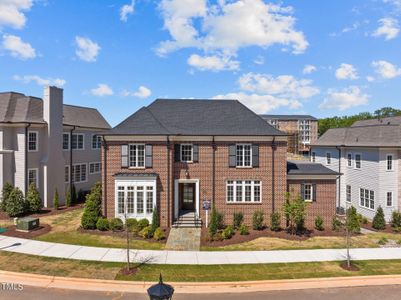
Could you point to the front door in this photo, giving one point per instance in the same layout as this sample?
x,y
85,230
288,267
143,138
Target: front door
x,y
187,196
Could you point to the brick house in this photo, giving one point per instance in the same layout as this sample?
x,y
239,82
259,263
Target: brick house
x,y
175,154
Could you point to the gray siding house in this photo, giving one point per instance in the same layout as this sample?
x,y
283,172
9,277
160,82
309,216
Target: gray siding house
x,y
368,154
49,143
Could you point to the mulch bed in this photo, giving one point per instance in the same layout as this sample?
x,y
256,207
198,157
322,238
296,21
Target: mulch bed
x,y
351,268
44,212
11,231
122,234
254,234
388,228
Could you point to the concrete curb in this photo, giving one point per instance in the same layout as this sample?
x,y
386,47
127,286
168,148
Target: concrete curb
x,y
84,284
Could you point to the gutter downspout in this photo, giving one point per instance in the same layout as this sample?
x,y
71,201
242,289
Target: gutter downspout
x,y
168,183
71,131
214,171
274,147
339,178
26,158
104,169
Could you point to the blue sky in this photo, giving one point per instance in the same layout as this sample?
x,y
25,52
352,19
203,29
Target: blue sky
x,y
317,57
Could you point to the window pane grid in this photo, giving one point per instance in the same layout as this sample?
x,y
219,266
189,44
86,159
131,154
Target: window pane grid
x,y
367,198
186,153
32,141
243,191
244,154
137,156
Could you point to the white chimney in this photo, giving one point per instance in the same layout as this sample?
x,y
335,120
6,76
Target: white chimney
x,y
53,168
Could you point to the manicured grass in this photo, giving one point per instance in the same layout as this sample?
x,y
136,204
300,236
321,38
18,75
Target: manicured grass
x,y
192,273
323,242
64,230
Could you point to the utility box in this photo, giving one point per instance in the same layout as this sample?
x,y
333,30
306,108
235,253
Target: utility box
x,y
27,224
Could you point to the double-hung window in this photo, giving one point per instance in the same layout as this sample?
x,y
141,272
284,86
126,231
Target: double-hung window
x,y
135,199
95,168
389,162
244,155
33,141
66,141
389,199
96,142
186,152
308,192
77,141
348,193
349,159
79,173
367,198
33,177
136,156
245,191
66,174
358,162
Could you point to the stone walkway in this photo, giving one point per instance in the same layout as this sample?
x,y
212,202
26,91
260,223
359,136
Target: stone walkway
x,y
173,257
186,239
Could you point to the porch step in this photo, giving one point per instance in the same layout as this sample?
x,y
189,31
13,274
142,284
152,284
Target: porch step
x,y
188,220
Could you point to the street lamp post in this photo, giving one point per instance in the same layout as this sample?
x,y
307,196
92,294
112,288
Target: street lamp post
x,y
161,291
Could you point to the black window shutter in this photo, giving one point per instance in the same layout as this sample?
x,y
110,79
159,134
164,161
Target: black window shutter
x,y
255,156
303,191
232,161
177,152
195,151
313,192
148,156
124,156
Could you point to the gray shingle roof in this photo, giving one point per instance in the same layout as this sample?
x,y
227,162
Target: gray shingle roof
x,y
194,117
18,108
382,121
364,136
308,168
288,117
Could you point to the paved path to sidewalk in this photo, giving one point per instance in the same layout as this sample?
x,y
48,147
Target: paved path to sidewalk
x,y
184,239
191,257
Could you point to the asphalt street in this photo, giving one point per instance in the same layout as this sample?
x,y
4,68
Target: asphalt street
x,y
365,293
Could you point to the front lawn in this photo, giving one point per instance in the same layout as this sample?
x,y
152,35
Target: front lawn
x,y
191,273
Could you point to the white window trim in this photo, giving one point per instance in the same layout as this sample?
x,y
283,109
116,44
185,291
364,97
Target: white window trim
x,y
83,141
392,162
69,173
100,167
87,173
360,161
392,199
36,143
37,176
352,159
243,157
346,194
311,192
144,156
192,153
374,199
69,141
331,159
234,184
93,135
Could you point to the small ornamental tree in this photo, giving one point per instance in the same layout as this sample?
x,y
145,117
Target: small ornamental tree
x,y
56,200
379,223
214,222
275,221
155,220
16,204
68,198
295,212
396,219
353,224
5,193
92,210
33,199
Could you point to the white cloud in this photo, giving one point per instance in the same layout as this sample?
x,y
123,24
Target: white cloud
x,y
142,92
389,29
212,63
87,49
226,27
385,69
102,90
284,85
17,47
259,60
40,80
127,9
12,12
370,78
346,71
344,99
308,69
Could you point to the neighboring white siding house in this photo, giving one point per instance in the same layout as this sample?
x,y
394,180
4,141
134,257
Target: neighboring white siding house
x,y
34,148
368,156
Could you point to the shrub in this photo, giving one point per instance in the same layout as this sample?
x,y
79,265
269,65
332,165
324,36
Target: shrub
x,y
352,222
383,241
131,224
396,219
220,220
213,224
56,200
33,199
275,221
142,223
68,198
5,193
228,232
319,223
74,198
92,210
399,242
257,220
336,224
379,223
295,212
243,230
238,219
16,204
155,220
102,224
116,224
159,234
146,232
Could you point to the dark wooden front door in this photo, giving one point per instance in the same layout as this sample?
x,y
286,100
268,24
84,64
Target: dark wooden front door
x,y
187,196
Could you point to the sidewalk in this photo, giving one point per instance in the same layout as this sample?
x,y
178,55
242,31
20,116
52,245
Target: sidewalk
x,y
191,257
